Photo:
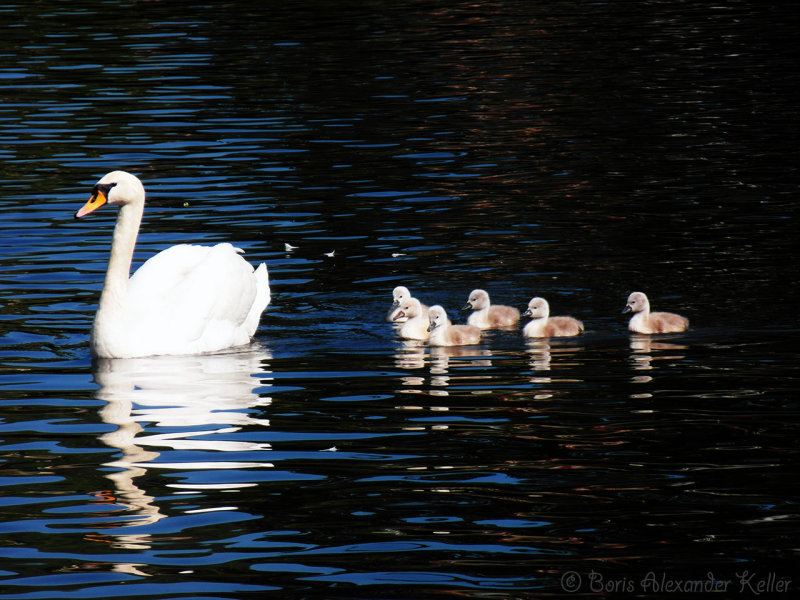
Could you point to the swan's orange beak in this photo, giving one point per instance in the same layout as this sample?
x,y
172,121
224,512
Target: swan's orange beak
x,y
97,200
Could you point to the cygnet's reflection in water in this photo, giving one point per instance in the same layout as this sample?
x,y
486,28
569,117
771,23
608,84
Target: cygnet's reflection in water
x,y
201,399
414,355
645,350
539,354
546,355
442,357
410,354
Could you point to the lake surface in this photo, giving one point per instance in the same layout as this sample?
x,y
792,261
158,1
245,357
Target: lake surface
x,y
576,151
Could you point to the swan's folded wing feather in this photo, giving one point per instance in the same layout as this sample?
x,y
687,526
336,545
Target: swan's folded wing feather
x,y
161,272
198,293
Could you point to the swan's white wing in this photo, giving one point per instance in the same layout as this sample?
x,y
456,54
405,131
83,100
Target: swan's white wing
x,y
175,259
201,297
163,271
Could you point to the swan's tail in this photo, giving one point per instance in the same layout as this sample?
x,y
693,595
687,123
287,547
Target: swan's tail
x,y
262,300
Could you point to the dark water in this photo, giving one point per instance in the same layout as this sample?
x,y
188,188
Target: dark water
x,y
573,150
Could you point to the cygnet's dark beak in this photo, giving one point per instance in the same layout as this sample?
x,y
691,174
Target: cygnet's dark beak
x,y
467,306
627,309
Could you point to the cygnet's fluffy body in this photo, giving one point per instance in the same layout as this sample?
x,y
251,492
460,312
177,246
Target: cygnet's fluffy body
x,y
644,321
543,325
486,315
442,333
416,321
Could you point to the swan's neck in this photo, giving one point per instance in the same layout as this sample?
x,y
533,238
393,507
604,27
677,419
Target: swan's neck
x,y
122,245
110,322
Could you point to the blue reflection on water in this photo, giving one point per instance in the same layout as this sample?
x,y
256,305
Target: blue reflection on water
x,y
527,149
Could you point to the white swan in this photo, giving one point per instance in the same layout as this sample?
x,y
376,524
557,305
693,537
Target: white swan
x,y
543,325
487,315
643,321
185,300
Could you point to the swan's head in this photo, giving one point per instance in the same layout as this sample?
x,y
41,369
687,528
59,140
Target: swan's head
x,y
409,308
637,302
437,316
538,308
117,187
400,294
478,300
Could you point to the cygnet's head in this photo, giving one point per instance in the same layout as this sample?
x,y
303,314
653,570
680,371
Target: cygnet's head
x,y
637,302
437,316
399,294
409,309
117,187
478,300
538,308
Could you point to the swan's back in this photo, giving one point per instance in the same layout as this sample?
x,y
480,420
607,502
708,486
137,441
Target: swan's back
x,y
190,299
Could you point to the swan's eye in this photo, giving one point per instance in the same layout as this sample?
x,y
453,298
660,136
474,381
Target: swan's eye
x,y
103,187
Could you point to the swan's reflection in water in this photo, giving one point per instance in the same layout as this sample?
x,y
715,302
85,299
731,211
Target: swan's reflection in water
x,y
197,400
